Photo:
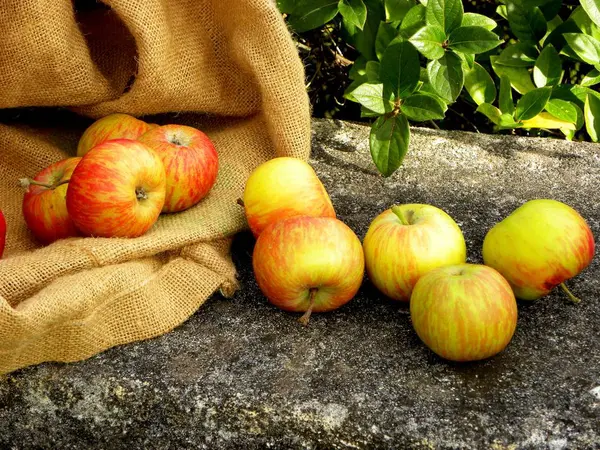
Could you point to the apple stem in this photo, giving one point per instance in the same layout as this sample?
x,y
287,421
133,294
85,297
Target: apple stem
x,y
569,293
141,194
241,202
306,316
26,182
403,219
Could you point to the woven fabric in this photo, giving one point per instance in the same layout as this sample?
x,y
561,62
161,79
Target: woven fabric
x,y
228,68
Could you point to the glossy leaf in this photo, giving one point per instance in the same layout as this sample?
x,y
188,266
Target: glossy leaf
x,y
532,103
547,122
478,20
556,37
562,109
354,12
371,96
591,78
399,67
286,6
550,8
591,112
472,40
421,107
413,21
528,24
446,14
548,68
586,47
397,9
508,121
490,111
358,69
309,14
428,40
389,140
386,34
446,76
519,77
592,8
505,99
480,85
372,71
520,54
364,41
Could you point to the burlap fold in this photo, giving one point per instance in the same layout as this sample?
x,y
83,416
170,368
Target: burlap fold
x,y
228,67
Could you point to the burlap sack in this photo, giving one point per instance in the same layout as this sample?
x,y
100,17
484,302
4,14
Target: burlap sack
x,y
231,63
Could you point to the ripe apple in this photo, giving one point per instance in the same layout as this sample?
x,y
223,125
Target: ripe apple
x,y
113,126
539,246
191,163
117,190
284,187
405,242
464,312
44,202
2,233
308,264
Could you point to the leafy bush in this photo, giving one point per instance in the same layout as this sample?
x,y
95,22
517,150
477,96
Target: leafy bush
x,y
416,59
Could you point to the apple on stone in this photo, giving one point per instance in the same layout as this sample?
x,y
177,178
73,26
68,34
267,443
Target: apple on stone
x,y
308,264
44,203
464,312
405,242
113,126
117,190
191,163
281,188
539,246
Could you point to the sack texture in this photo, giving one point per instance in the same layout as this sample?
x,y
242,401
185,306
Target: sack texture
x,y
228,68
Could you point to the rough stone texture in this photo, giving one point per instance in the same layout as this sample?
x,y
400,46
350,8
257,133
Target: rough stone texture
x,y
241,373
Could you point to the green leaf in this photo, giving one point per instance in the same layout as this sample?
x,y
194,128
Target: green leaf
x,y
478,20
507,121
591,78
447,14
548,68
421,107
520,54
532,103
468,59
397,9
520,78
472,40
399,67
573,93
446,76
286,6
364,41
501,11
586,47
428,40
556,37
505,99
309,14
385,34
550,8
371,96
548,122
358,69
354,12
480,85
366,112
592,8
490,111
389,140
372,71
413,21
562,109
528,24
584,23
591,112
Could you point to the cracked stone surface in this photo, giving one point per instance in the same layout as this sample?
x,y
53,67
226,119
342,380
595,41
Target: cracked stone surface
x,y
241,373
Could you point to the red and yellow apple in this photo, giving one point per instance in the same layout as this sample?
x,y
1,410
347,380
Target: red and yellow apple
x,y
281,188
44,202
539,246
113,126
2,233
117,190
405,242
191,163
464,312
308,264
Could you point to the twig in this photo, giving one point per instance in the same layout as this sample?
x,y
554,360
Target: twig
x,y
463,116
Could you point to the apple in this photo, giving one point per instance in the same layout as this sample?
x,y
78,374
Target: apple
x,y
117,190
539,246
2,233
44,202
191,163
284,187
464,312
405,242
113,126
308,264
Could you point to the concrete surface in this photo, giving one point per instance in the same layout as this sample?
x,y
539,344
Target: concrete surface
x,y
242,374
